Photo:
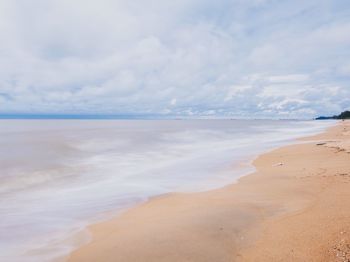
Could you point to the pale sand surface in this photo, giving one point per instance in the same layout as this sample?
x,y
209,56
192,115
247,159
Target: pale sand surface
x,y
295,207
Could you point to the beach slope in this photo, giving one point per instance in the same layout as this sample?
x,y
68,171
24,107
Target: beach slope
x,y
295,207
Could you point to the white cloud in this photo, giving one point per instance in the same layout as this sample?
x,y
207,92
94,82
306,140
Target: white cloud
x,y
260,58
288,78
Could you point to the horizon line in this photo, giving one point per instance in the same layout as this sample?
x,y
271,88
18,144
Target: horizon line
x,y
22,116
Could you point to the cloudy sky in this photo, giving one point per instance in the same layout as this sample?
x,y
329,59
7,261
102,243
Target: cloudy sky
x,y
222,58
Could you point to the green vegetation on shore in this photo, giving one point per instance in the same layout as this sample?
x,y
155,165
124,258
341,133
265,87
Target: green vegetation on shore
x,y
343,115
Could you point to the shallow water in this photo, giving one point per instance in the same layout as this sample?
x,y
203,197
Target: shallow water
x,y
57,176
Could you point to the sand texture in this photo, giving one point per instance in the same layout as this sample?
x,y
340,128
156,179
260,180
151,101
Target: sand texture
x,y
295,207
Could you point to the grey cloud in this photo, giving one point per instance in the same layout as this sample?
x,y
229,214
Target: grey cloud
x,y
231,58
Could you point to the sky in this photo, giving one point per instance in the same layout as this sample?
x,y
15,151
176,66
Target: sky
x,y
194,58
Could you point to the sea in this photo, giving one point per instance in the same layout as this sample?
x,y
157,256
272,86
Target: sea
x,y
58,176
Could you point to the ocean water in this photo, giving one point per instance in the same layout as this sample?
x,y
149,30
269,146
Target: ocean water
x,y
58,176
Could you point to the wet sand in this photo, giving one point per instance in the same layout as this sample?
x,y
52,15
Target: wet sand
x,y
295,207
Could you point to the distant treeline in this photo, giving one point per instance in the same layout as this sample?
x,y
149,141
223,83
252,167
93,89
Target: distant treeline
x,y
343,115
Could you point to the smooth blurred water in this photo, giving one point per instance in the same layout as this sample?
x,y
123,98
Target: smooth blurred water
x,y
57,176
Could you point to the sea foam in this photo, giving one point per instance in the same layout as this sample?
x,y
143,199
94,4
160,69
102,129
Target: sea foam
x,y
59,176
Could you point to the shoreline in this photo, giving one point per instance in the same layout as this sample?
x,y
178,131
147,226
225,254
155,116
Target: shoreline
x,y
220,225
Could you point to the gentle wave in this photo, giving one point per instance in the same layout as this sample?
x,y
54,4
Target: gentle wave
x,y
59,176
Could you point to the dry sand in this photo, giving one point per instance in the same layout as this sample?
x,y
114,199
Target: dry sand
x,y
295,207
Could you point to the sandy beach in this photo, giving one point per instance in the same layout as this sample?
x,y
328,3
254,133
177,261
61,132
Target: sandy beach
x,y
295,207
